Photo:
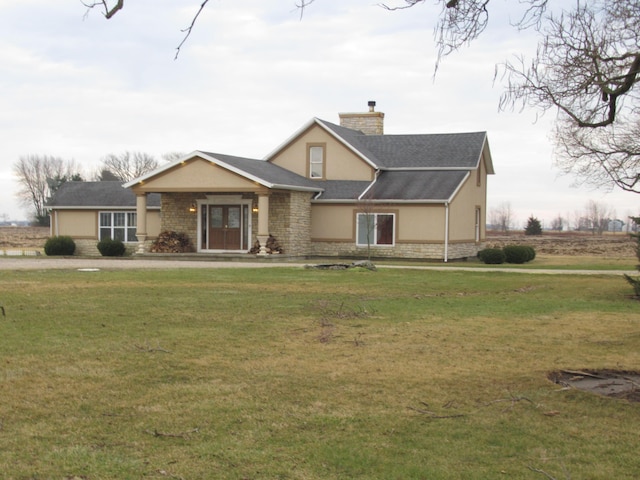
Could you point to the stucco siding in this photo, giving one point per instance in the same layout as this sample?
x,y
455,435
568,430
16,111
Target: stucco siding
x,y
462,219
420,223
332,222
341,163
196,175
75,223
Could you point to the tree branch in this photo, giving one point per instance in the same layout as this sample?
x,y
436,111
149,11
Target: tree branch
x,y
190,28
108,12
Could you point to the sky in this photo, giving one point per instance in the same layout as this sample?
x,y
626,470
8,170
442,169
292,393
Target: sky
x,y
77,86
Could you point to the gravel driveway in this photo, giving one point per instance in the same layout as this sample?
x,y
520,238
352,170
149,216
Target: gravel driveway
x,y
103,263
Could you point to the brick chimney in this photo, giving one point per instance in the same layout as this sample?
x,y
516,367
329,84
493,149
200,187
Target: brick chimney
x,y
369,123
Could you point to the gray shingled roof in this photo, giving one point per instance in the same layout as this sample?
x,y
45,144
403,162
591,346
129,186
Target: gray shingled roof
x,y
98,195
342,189
433,151
429,185
266,171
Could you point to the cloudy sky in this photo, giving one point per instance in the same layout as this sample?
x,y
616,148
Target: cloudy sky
x,y
77,86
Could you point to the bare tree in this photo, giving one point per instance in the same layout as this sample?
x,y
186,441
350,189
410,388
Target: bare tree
x,y
502,217
598,216
127,165
39,176
557,223
587,68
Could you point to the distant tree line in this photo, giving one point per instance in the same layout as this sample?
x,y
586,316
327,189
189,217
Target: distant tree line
x,y
596,217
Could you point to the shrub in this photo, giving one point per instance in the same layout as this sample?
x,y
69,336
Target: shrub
x,y
61,245
532,252
111,247
518,253
492,256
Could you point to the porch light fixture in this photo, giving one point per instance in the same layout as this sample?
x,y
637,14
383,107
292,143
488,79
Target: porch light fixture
x,y
193,208
254,208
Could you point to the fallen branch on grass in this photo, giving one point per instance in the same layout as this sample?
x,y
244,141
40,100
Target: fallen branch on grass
x,y
184,435
435,415
148,349
513,399
537,470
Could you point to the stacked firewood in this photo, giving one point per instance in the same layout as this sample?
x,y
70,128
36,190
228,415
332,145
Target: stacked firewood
x,y
272,246
171,242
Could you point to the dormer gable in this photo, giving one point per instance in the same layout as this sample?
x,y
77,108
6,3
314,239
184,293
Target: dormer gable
x,y
317,152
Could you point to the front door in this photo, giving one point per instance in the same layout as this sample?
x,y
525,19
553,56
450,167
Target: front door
x,y
225,227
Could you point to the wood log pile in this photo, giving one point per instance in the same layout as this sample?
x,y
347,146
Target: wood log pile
x,y
272,246
171,242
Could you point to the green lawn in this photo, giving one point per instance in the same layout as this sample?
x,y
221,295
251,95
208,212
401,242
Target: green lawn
x,y
288,373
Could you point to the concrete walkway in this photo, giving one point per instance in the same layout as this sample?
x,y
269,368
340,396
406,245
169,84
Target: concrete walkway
x,y
103,263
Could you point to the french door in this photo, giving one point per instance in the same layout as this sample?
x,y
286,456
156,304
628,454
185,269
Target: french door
x,y
224,227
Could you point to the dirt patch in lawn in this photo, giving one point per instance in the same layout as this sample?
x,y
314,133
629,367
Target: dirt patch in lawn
x,y
608,383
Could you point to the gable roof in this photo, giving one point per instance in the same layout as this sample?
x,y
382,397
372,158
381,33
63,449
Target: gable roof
x,y
260,171
265,173
92,195
444,151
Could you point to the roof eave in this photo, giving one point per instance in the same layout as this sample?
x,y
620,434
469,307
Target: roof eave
x,y
99,207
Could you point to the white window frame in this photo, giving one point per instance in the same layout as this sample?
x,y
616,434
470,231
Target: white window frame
x,y
130,219
315,161
374,240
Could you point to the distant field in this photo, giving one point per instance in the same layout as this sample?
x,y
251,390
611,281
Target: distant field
x,y
302,374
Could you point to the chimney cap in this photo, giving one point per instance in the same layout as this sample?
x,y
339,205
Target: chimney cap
x,y
372,105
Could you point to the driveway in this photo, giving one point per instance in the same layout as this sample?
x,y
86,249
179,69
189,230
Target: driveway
x,y
104,263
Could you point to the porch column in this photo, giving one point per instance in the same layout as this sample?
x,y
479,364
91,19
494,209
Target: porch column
x,y
263,223
141,222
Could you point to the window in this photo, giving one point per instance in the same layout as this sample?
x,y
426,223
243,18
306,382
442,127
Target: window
x,y
375,229
316,162
118,226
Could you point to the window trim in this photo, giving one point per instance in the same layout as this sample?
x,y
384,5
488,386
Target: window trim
x,y
128,214
323,162
374,242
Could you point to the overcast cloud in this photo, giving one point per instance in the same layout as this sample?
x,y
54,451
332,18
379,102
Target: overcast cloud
x,y
249,76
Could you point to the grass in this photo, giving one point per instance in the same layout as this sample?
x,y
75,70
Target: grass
x,y
301,374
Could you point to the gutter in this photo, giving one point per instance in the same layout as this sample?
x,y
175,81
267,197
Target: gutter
x,y
375,179
446,232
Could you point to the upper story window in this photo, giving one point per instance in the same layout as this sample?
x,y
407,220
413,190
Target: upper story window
x,y
118,226
316,161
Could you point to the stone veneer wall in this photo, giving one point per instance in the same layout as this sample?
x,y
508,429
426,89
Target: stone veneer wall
x,y
290,221
428,251
175,215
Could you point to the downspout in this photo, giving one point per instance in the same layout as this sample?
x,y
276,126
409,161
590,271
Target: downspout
x,y
446,232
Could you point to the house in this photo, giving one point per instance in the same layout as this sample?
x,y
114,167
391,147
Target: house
x,y
344,190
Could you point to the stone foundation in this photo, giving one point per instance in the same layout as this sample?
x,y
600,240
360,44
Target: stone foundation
x,y
427,251
88,247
